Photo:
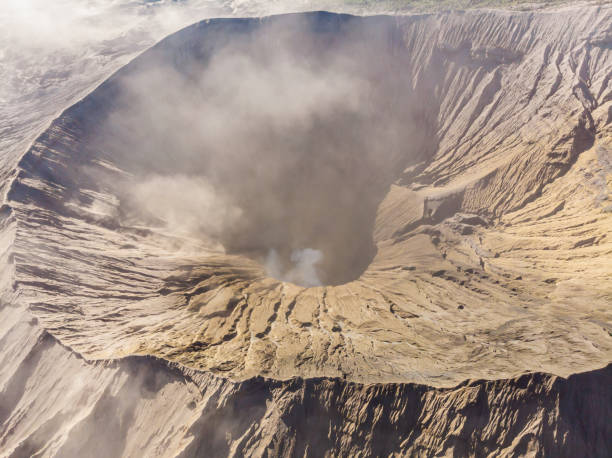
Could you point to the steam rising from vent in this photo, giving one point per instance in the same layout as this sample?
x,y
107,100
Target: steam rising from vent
x,y
303,270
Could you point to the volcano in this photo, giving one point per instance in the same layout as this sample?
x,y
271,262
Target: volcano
x,y
320,234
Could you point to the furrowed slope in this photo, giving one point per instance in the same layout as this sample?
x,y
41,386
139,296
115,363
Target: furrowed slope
x,y
478,181
478,240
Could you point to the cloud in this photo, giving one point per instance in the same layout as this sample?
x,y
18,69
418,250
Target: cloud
x,y
74,24
50,50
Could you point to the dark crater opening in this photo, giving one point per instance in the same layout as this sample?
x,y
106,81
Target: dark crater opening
x,y
277,138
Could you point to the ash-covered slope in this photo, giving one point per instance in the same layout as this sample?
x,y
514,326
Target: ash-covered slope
x,y
142,406
453,171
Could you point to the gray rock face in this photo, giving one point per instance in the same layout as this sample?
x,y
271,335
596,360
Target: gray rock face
x,y
437,184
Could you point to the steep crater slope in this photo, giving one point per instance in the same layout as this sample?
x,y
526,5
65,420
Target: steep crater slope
x,y
465,157
450,172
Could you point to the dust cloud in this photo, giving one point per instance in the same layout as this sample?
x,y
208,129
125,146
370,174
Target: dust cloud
x,y
276,144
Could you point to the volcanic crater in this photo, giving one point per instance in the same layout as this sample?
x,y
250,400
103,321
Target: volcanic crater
x,y
371,202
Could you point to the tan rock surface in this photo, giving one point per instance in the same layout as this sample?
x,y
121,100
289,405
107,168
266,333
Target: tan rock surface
x,y
491,222
493,252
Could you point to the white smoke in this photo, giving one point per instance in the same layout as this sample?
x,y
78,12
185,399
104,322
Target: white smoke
x,y
184,204
302,271
258,138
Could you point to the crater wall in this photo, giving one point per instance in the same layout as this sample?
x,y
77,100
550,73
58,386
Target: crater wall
x,y
454,170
